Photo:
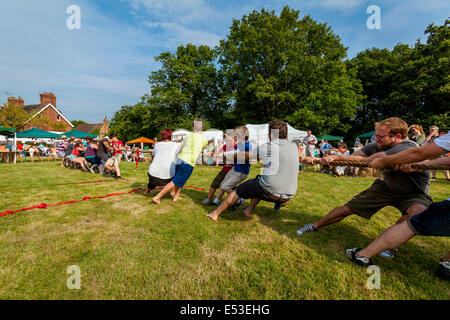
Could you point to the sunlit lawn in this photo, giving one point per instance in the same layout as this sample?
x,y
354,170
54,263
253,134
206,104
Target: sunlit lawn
x,y
129,248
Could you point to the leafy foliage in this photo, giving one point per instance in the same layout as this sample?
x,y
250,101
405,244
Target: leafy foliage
x,y
286,67
13,116
413,83
283,67
76,123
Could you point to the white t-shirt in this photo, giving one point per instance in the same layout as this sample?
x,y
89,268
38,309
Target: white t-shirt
x,y
281,165
443,142
163,165
307,139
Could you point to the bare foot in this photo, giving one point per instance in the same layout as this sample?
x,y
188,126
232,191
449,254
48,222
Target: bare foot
x,y
176,197
212,216
172,193
248,212
147,191
155,200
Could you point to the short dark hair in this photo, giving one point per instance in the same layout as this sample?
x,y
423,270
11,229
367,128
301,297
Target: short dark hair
x,y
113,135
281,126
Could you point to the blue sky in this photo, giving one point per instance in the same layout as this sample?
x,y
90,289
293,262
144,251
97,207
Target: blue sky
x,y
104,65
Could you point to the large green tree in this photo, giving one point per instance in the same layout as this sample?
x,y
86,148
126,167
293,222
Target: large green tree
x,y
409,82
188,84
286,67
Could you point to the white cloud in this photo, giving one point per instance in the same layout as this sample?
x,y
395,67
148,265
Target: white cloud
x,y
107,61
177,34
186,11
340,5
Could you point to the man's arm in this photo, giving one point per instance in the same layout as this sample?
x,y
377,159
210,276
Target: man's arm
x,y
107,146
356,156
436,162
247,156
428,151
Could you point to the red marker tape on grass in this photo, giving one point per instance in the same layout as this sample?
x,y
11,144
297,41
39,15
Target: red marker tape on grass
x,y
45,206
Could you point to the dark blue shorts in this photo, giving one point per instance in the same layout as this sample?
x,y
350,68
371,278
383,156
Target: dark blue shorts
x,y
183,172
92,160
434,221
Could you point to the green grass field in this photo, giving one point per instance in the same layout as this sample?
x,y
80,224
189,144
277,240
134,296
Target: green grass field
x,y
129,248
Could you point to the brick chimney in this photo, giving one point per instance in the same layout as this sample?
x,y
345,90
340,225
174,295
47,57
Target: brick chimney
x,y
15,102
48,97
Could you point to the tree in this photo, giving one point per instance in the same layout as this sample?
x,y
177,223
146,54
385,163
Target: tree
x,y
187,85
13,116
76,123
410,82
286,67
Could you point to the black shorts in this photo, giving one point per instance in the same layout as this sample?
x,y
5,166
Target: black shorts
x,y
251,189
154,182
435,221
218,180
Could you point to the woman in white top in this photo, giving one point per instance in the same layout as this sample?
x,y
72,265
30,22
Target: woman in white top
x,y
162,168
342,150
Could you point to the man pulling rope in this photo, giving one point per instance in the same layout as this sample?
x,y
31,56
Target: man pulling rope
x,y
408,192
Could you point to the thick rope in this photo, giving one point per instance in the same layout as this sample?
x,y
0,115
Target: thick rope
x,y
363,164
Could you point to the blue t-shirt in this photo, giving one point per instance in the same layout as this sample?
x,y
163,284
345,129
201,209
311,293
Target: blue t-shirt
x,y
243,168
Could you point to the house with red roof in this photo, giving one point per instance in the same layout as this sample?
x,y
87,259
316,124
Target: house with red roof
x,y
45,116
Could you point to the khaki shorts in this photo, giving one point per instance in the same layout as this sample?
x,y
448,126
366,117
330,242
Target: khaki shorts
x,y
113,160
232,179
218,179
378,196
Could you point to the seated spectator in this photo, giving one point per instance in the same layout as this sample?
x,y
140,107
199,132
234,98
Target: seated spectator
x,y
76,157
208,154
91,153
341,150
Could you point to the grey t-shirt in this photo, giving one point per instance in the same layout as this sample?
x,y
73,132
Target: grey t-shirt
x,y
281,165
399,181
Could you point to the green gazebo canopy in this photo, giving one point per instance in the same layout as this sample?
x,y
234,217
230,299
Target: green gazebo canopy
x,y
329,138
7,131
37,133
78,134
367,135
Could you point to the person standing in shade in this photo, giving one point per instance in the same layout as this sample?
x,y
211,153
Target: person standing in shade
x,y
310,142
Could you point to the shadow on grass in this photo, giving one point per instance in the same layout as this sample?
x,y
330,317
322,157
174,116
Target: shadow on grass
x,y
194,195
332,240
